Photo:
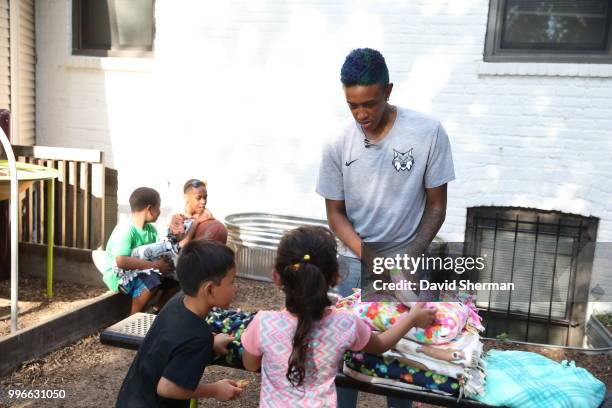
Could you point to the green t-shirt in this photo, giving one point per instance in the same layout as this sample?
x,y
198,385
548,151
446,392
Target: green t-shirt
x,y
125,237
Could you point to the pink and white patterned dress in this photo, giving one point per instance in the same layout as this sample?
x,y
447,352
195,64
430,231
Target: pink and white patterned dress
x,y
270,335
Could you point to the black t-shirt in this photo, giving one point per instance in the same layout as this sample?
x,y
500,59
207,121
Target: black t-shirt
x,y
178,347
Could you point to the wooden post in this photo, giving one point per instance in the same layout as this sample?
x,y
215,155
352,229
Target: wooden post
x,y
71,205
84,205
24,225
97,206
61,203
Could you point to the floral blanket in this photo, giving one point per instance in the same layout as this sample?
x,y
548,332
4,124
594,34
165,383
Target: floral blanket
x,y
372,368
451,318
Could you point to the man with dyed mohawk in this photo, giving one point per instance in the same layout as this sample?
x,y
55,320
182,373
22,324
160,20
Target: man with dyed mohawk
x,y
383,177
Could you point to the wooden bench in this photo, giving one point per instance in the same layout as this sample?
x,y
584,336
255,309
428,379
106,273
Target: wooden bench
x,y
130,332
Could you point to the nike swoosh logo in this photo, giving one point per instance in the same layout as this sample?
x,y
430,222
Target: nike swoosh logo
x,y
349,163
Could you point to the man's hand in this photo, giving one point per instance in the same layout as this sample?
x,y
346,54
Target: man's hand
x,y
221,342
227,390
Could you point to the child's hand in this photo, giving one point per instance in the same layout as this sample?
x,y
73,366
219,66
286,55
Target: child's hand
x,y
205,216
422,317
177,226
227,390
221,342
163,265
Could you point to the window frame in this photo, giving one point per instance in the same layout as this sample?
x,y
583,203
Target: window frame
x,y
494,53
115,50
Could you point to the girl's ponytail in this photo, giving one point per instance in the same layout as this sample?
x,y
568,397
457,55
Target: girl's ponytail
x,y
307,265
308,300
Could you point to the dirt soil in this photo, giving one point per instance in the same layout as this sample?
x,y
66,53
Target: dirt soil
x,y
91,373
34,307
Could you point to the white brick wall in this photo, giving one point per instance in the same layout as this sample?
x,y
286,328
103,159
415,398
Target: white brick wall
x,y
244,93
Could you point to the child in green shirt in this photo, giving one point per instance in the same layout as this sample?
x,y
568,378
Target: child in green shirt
x,y
139,278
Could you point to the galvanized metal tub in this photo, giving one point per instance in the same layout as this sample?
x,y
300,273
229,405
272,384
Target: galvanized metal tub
x,y
255,236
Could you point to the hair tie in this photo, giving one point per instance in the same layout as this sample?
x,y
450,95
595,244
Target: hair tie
x,y
296,266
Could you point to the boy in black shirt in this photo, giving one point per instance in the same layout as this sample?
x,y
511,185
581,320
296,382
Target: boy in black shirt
x,y
170,362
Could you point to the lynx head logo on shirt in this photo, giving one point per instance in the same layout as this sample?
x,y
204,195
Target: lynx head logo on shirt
x,y
402,161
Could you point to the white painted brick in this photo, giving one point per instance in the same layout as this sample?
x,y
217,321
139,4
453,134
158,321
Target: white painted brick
x,y
261,105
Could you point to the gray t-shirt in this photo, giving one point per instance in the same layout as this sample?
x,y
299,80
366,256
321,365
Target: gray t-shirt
x,y
383,185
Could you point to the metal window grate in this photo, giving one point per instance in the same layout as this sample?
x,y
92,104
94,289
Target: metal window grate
x,y
538,252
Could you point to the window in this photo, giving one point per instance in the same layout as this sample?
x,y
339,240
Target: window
x,y
576,31
113,27
548,256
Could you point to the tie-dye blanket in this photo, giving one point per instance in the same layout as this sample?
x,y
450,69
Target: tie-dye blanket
x,y
451,318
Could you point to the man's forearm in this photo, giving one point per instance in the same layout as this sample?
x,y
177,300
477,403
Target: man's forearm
x,y
344,230
431,222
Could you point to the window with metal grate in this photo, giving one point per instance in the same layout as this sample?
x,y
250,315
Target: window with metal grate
x,y
547,256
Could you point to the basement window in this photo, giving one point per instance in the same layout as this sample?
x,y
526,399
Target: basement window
x,y
113,28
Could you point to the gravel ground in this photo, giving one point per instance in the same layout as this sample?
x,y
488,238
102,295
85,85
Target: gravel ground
x,y
91,373
34,307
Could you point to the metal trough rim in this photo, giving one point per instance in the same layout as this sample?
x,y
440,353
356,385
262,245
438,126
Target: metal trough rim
x,y
264,230
233,220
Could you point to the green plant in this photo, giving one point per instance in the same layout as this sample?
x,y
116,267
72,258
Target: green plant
x,y
502,336
605,318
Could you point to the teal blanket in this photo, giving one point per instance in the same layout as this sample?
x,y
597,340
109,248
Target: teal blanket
x,y
522,379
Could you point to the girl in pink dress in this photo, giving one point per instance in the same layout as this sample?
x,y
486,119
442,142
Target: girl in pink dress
x,y
299,349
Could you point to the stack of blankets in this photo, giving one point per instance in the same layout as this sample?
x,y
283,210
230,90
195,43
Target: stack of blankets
x,y
446,358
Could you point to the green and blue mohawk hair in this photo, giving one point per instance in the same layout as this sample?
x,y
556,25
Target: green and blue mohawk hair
x,y
364,66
